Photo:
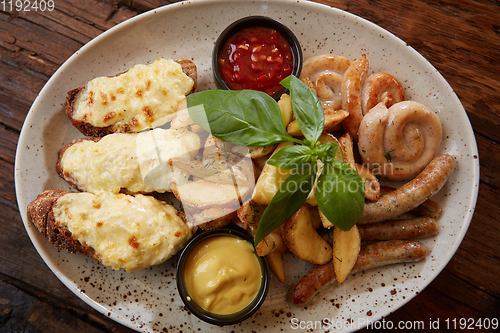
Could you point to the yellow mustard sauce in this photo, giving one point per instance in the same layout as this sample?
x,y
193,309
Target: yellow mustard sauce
x,y
223,274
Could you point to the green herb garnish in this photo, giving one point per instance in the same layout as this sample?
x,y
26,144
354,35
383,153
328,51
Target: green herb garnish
x,y
253,118
388,156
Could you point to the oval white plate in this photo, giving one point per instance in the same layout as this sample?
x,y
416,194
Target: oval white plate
x,y
147,300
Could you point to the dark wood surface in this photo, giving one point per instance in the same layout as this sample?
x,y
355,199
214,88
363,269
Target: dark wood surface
x,y
461,38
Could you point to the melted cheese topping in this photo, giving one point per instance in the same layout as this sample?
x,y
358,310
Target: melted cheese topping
x,y
126,161
138,97
125,231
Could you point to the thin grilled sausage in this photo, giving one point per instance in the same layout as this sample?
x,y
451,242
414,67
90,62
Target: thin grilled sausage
x,y
412,194
371,255
352,82
418,227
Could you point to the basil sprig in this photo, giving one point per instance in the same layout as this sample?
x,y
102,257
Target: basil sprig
x,y
253,118
243,117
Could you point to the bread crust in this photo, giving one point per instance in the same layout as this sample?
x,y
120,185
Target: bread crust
x,y
40,213
188,67
64,175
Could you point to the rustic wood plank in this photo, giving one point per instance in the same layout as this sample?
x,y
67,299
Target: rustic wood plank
x,y
13,110
35,38
22,83
476,259
7,191
489,160
33,311
460,38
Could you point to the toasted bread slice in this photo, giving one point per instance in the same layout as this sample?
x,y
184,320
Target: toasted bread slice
x,y
119,231
41,215
85,127
130,163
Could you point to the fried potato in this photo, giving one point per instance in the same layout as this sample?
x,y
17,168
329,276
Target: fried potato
x,y
249,214
275,261
271,243
346,145
285,104
346,247
333,118
269,181
372,186
303,240
216,223
253,151
326,223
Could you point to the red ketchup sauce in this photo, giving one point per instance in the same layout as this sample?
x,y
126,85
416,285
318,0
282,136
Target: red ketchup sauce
x,y
256,58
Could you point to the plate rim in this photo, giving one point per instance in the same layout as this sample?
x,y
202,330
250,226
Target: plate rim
x,y
49,261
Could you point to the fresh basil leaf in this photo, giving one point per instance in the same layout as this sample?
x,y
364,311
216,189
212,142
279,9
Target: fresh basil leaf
x,y
306,107
246,117
340,192
290,196
327,151
291,157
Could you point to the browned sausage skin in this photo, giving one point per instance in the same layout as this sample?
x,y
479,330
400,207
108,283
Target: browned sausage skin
x,y
371,255
413,228
412,194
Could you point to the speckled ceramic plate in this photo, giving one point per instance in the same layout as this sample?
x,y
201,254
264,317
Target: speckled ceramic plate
x,y
147,300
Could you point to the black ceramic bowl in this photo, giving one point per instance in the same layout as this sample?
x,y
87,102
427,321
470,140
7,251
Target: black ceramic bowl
x,y
198,311
256,21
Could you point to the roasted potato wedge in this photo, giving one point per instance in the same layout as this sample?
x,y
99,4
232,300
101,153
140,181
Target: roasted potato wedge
x,y
303,240
346,145
326,223
269,181
271,243
372,185
333,118
253,151
218,222
275,261
285,104
346,247
193,194
249,214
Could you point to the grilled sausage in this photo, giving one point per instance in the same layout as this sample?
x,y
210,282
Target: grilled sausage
x,y
412,194
370,256
418,227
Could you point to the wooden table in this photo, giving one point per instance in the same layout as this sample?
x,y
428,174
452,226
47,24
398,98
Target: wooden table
x,y
461,38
